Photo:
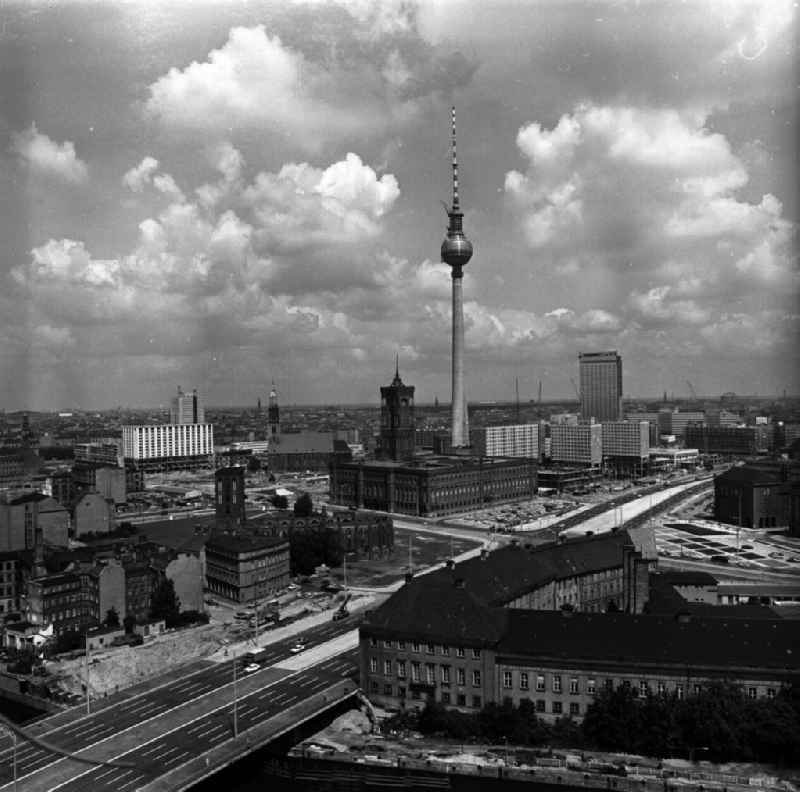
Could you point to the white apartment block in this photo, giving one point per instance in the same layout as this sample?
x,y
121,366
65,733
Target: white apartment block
x,y
626,439
579,445
167,441
516,440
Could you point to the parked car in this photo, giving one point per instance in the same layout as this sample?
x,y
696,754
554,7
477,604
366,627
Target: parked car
x,y
251,667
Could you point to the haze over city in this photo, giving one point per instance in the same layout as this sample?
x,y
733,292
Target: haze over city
x,y
226,195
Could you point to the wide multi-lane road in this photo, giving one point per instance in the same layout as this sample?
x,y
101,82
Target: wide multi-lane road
x,y
171,722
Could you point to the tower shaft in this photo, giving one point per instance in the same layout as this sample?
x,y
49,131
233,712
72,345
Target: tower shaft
x,y
458,407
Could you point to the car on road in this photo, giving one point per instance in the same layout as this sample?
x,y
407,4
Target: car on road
x,y
298,647
251,667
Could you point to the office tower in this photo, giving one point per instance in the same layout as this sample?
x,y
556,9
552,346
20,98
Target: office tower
x,y
397,419
186,408
601,385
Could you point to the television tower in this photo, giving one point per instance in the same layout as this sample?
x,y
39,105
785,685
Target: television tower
x,y
456,252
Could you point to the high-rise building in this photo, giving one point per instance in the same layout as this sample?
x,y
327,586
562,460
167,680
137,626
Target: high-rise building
x,y
456,252
397,420
577,445
186,408
601,385
516,440
168,446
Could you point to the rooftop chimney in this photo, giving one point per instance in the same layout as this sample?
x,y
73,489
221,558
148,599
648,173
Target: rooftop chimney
x,y
450,563
459,583
484,554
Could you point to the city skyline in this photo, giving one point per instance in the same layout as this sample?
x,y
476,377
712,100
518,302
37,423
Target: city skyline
x,y
230,194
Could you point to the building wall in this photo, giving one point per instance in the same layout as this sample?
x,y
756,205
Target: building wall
x,y
17,525
53,522
407,673
763,505
601,385
111,589
580,445
10,583
93,514
247,575
515,440
568,688
167,441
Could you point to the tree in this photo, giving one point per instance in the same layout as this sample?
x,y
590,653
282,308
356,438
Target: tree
x,y
112,618
280,502
304,506
165,603
128,623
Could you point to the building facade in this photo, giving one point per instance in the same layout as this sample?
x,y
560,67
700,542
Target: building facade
x,y
577,445
601,385
515,440
246,568
168,446
751,497
93,514
229,498
433,485
626,445
730,440
187,408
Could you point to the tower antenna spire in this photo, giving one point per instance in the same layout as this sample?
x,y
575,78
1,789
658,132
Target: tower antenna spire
x,y
456,205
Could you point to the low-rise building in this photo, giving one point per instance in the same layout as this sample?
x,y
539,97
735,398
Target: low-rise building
x,y
751,496
246,567
93,514
466,654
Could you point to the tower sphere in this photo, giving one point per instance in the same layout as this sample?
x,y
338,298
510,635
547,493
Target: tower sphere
x,y
456,250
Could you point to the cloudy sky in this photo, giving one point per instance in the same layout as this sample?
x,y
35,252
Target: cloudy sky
x,y
219,195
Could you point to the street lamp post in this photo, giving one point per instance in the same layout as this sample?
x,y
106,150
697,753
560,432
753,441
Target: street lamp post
x,y
235,702
86,675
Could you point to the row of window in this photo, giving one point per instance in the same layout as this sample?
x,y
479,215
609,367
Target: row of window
x,y
445,672
430,648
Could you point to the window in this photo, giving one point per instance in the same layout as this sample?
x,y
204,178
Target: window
x,y
770,693
540,682
752,692
574,708
556,683
387,667
387,690
388,644
445,650
476,654
476,679
445,674
507,679
696,690
373,686
401,645
461,700
573,685
591,686
540,705
679,691
401,669
430,673
445,697
401,691
415,671
373,641
415,647
644,688
430,648
460,651
476,701
373,665
557,708
523,680
661,688
461,676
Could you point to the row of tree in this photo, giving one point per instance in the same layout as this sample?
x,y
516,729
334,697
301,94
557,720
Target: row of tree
x,y
720,723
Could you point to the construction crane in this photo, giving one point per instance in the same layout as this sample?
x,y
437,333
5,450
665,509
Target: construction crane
x,y
692,391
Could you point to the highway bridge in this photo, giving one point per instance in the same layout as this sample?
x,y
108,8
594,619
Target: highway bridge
x,y
173,732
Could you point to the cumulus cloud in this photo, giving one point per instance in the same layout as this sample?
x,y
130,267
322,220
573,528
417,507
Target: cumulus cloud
x,y
381,74
47,157
141,175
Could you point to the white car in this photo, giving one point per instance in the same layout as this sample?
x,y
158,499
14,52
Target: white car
x,y
251,667
298,647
